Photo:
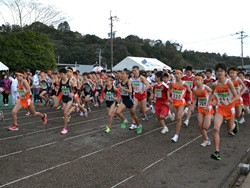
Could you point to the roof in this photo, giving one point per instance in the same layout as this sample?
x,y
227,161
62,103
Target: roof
x,y
3,67
142,62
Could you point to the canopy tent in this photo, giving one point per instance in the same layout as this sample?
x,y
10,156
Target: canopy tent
x,y
147,64
3,67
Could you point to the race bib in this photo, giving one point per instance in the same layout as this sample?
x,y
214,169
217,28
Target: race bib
x,y
189,83
176,94
223,97
65,91
43,85
109,96
202,102
136,85
158,93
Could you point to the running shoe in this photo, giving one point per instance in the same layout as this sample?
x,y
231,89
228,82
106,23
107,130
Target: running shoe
x,y
206,143
133,126
172,116
64,131
186,122
236,128
242,120
81,113
152,109
28,113
145,118
139,129
186,110
107,129
59,107
68,118
44,119
164,130
14,128
216,156
175,138
89,110
124,123
1,115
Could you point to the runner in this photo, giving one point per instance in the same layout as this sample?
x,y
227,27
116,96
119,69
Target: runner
x,y
245,96
226,96
67,87
209,80
189,79
111,95
178,90
98,89
24,101
202,92
127,101
240,89
160,93
140,86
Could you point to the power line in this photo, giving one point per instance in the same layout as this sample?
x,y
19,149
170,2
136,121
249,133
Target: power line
x,y
112,35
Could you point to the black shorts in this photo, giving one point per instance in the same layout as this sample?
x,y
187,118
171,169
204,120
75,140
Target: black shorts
x,y
128,102
109,103
66,99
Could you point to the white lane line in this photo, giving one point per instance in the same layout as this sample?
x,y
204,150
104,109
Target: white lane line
x,y
10,137
40,146
149,166
84,156
9,154
51,118
48,169
122,181
77,136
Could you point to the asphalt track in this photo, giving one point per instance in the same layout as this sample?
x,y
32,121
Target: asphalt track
x,y
39,156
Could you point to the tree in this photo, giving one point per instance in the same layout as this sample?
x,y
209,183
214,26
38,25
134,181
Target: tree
x,y
25,12
27,49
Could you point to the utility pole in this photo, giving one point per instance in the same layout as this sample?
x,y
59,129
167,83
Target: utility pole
x,y
242,36
99,57
112,18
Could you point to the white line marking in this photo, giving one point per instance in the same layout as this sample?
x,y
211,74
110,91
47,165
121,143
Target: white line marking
x,y
9,154
48,169
40,146
10,137
122,181
73,137
152,164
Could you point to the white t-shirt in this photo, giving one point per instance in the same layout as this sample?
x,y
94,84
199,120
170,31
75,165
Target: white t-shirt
x,y
14,83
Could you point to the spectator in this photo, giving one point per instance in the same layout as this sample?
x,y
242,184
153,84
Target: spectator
x,y
36,87
14,91
6,89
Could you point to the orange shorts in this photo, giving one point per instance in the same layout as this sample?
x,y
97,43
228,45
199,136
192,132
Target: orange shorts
x,y
202,111
239,102
226,112
59,96
25,102
177,103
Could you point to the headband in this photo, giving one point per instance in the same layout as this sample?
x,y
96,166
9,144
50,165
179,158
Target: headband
x,y
178,71
198,77
233,71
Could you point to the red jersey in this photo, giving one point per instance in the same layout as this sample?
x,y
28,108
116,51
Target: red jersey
x,y
160,92
209,82
247,84
189,81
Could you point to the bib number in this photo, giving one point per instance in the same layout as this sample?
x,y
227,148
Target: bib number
x,y
158,93
176,94
202,102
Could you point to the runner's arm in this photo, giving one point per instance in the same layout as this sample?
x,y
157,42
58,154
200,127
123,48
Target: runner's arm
x,y
244,88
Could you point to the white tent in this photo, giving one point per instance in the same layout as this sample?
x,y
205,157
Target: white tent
x,y
147,64
3,67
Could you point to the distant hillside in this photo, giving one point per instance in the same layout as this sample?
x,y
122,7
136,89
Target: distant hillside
x,y
74,47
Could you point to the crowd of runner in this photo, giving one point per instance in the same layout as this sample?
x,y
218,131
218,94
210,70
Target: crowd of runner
x,y
166,94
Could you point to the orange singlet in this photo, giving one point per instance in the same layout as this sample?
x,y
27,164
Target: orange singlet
x,y
178,94
25,102
238,88
223,93
203,97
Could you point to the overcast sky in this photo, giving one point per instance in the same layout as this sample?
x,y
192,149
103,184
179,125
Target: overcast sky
x,y
200,25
